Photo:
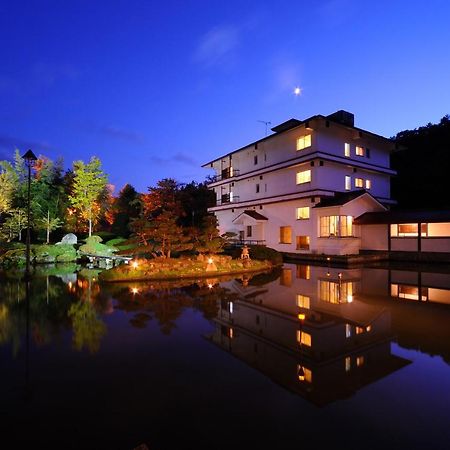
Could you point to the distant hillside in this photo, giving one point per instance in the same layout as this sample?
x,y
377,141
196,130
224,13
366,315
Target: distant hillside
x,y
423,167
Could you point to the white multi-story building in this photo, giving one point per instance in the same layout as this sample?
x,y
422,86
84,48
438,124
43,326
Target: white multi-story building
x,y
299,189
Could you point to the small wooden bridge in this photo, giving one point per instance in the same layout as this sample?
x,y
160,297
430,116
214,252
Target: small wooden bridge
x,y
105,262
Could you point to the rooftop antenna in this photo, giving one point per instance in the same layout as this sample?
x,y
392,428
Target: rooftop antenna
x,y
266,123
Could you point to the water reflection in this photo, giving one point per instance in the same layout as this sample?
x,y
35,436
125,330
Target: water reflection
x,y
321,332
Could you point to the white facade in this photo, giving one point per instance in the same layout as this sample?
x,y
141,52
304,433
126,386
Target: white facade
x,y
285,176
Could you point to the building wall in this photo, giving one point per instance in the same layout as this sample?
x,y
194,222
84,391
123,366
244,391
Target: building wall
x,y
374,237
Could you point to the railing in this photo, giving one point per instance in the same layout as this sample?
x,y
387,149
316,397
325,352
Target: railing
x,y
224,175
242,242
227,198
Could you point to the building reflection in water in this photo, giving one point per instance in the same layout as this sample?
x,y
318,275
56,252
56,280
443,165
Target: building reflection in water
x,y
310,331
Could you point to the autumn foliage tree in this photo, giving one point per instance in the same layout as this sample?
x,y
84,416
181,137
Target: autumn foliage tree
x,y
89,182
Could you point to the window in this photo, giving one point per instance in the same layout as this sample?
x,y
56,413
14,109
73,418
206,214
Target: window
x,y
336,292
348,364
304,338
409,292
359,151
359,361
368,152
348,183
303,272
285,235
368,184
304,374
302,213
347,149
336,226
348,330
302,242
359,183
303,301
286,277
257,188
255,159
304,142
359,330
409,229
249,230
303,177
441,229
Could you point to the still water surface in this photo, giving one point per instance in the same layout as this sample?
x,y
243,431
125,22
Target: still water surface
x,y
308,356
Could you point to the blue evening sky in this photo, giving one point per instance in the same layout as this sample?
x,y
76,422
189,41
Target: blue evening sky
x,y
155,89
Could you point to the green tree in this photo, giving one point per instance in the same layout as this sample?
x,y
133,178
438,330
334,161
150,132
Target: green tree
x,y
89,183
8,186
15,224
206,238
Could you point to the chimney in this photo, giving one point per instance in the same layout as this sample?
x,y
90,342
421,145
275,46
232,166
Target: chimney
x,y
343,117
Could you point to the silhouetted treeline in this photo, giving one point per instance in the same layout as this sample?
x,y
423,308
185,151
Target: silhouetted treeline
x,y
423,167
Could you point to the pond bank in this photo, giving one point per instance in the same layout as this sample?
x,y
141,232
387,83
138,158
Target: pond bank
x,y
172,269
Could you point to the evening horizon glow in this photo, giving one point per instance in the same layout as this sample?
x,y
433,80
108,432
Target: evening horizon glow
x,y
155,91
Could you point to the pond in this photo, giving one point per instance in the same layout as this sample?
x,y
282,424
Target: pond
x,y
305,356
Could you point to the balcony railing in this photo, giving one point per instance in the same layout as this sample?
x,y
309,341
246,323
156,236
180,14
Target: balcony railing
x,y
227,198
226,173
241,242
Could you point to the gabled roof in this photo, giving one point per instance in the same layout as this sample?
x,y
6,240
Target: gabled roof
x,y
387,217
251,213
341,198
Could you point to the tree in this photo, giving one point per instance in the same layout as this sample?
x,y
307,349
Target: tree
x,y
422,166
8,185
207,239
49,224
157,226
88,184
126,206
15,224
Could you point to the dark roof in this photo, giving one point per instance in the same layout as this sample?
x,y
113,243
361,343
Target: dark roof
x,y
291,123
386,217
251,213
255,215
340,198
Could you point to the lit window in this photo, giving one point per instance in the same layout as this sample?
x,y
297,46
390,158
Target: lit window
x,y
302,242
304,374
336,292
409,229
336,226
286,277
303,301
348,330
304,177
441,229
359,183
303,272
304,142
359,330
359,151
348,364
368,328
360,361
304,338
368,184
348,183
347,149
302,213
409,292
285,235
